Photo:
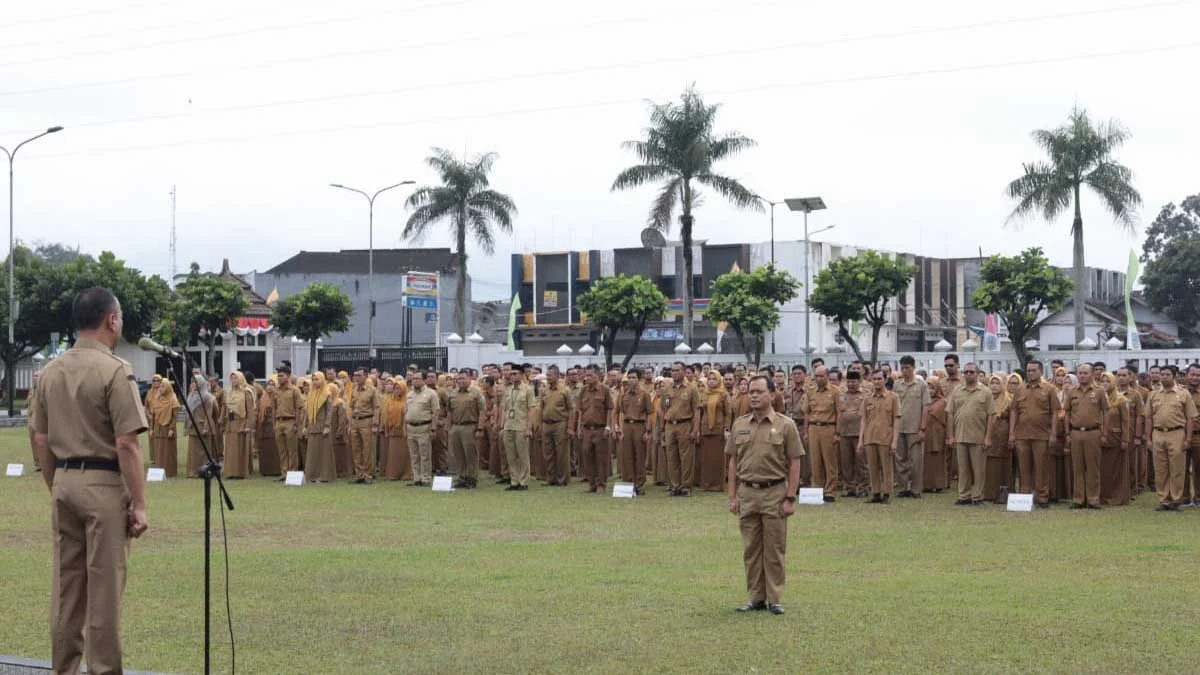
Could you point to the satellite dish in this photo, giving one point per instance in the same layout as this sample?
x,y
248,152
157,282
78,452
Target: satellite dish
x,y
652,238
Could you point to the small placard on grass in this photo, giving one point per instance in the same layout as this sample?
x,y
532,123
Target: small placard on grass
x,y
156,474
1020,502
443,484
623,491
812,496
294,478
15,470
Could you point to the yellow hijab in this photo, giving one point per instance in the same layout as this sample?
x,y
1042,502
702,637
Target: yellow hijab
x,y
713,396
1004,400
235,400
318,393
1115,397
397,403
162,404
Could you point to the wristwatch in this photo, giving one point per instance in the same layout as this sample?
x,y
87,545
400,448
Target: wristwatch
x,y
790,498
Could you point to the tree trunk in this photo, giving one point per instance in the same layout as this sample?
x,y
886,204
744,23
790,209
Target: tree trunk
x,y
747,351
849,339
633,347
460,293
758,349
312,356
875,330
685,234
211,343
1077,236
607,339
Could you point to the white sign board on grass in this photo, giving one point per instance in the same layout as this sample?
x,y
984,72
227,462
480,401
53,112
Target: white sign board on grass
x,y
443,484
15,470
812,496
623,491
1020,502
294,479
156,474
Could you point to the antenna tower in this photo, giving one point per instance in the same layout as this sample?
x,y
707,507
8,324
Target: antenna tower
x,y
171,270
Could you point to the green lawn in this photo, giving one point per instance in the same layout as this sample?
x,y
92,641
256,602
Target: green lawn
x,y
392,579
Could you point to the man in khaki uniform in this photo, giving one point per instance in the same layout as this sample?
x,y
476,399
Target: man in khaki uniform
x,y
796,405
1084,411
681,421
557,407
879,436
518,407
1170,420
1127,385
289,407
1193,451
914,416
364,424
30,413
592,425
465,408
86,428
853,465
422,409
764,451
630,417
1032,427
821,414
970,414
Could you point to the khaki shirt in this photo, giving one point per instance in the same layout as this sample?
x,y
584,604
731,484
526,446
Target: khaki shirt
x,y
422,406
557,404
1086,408
88,397
969,410
364,402
682,402
465,407
1171,408
289,402
634,405
822,405
764,448
914,398
796,402
1196,432
849,423
595,405
950,384
1035,406
515,404
880,417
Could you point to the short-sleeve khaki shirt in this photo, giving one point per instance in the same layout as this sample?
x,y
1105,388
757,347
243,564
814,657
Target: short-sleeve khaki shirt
x,y
914,398
764,447
634,405
289,402
465,407
968,412
595,405
880,416
88,397
849,423
1171,408
1086,408
1035,405
515,406
422,407
556,404
822,405
364,402
683,402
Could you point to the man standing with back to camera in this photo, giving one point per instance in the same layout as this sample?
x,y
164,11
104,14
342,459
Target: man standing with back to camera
x,y
85,433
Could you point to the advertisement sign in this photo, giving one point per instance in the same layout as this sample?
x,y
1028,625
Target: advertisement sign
x,y
421,290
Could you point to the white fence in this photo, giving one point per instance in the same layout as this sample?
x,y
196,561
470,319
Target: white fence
x,y
475,355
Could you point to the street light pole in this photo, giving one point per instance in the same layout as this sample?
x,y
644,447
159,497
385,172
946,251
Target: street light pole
x,y
807,205
11,367
371,259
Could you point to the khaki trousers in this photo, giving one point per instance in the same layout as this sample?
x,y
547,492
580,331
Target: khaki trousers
x,y
1169,466
287,440
91,547
823,447
764,540
463,449
1085,462
910,463
516,448
556,452
593,454
362,443
853,470
972,470
879,466
1033,458
631,455
680,456
420,452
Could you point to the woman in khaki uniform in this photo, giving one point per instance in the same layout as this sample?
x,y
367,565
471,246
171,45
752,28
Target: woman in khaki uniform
x,y
998,471
240,413
339,429
399,464
162,407
203,406
935,440
266,450
716,414
220,423
1116,438
305,386
658,443
321,467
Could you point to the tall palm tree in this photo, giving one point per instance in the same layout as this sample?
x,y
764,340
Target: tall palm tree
x,y
679,149
466,202
1078,153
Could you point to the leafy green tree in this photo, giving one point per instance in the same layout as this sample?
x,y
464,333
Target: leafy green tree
x,y
749,302
859,289
679,150
59,254
622,303
318,311
204,306
1171,253
39,290
1018,288
466,202
143,300
1079,153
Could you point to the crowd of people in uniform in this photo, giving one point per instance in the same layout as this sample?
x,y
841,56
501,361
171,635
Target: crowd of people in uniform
x,y
1089,437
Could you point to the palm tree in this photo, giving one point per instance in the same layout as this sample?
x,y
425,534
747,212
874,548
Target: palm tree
x,y
679,149
1078,153
464,200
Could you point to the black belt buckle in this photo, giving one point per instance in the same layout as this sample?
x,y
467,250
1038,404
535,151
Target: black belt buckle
x,y
420,424
763,485
84,463
1082,429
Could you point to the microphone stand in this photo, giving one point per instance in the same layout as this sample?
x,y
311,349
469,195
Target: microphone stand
x,y
209,471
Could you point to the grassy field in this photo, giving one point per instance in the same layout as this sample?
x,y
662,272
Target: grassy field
x,y
392,579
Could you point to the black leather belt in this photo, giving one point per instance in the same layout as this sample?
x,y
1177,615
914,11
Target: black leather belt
x,y
284,419
549,422
763,485
84,464
1167,429
821,424
679,421
629,421
1085,428
471,422
419,424
363,417
588,425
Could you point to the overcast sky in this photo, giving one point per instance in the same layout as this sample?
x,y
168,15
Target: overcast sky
x,y
908,118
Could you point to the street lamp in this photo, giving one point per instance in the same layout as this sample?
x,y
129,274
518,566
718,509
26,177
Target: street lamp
x,y
371,258
807,205
12,314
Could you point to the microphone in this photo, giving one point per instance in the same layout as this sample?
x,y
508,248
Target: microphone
x,y
146,344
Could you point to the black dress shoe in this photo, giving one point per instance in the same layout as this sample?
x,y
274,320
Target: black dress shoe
x,y
504,481
1094,507
962,502
914,495
830,499
775,609
886,499
1077,506
757,606
1163,507
522,487
876,499
512,488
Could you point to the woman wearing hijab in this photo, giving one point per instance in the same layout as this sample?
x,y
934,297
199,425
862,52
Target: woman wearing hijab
x,y
339,431
439,449
741,400
239,405
392,407
658,446
318,413
1116,439
202,406
998,472
220,420
305,386
268,452
1061,486
162,408
935,440
716,414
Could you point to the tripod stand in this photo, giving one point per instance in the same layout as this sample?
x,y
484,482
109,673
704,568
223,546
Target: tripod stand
x,y
209,471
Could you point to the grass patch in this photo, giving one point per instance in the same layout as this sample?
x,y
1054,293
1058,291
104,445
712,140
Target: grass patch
x,y
392,579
